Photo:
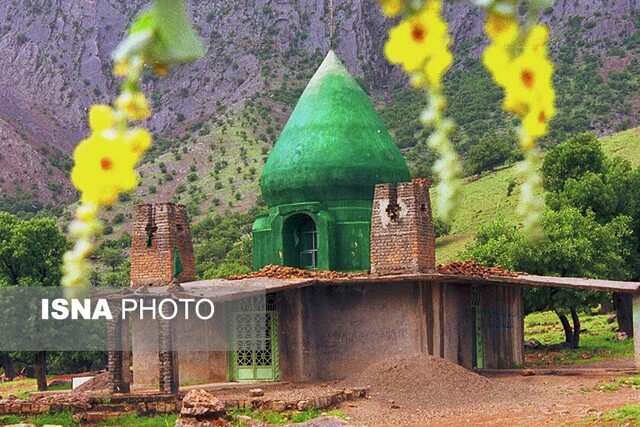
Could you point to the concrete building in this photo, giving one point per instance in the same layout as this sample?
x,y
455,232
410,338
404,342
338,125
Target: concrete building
x,y
340,199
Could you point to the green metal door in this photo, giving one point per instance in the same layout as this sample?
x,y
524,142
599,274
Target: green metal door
x,y
254,334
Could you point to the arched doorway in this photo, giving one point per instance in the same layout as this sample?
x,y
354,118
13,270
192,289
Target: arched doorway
x,y
300,242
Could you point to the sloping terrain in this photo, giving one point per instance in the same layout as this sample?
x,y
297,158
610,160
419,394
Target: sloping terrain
x,y
487,197
231,105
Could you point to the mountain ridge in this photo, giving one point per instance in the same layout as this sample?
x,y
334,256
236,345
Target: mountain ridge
x,y
219,117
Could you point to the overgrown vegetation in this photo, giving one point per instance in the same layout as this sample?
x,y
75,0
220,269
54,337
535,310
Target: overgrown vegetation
x,y
64,419
280,418
222,244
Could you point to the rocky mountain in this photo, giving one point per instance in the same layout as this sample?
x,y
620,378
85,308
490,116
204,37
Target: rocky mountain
x,y
216,120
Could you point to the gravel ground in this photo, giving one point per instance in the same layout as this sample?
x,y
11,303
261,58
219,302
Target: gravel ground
x,y
408,389
421,390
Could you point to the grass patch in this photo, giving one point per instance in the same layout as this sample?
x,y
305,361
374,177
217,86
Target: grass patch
x,y
64,419
625,415
623,144
481,201
596,343
29,382
615,385
19,389
133,420
280,418
22,388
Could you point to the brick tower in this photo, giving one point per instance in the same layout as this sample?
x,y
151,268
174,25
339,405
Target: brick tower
x,y
402,235
158,230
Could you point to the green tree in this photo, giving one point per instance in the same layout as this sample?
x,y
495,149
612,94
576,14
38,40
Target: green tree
x,y
222,244
112,257
586,180
572,159
31,255
489,152
441,228
574,245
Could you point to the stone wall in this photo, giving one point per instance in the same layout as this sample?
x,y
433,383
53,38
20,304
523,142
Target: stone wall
x,y
157,230
402,233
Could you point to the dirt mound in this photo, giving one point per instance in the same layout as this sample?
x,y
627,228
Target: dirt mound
x,y
429,383
279,272
472,268
99,382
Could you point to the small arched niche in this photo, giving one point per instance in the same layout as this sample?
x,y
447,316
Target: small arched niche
x,y
300,242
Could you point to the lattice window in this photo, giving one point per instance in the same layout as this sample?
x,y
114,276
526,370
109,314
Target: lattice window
x,y
254,334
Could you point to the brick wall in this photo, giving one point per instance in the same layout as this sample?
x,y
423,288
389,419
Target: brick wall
x,y
402,233
168,226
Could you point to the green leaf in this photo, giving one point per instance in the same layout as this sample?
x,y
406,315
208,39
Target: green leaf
x,y
146,21
175,39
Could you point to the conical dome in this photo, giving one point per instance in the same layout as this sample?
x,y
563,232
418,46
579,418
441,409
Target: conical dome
x,y
334,146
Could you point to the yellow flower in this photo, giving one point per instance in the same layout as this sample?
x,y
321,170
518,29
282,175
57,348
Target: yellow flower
x,y
502,29
497,60
138,140
536,122
101,117
121,68
536,42
103,169
529,81
134,104
391,8
416,38
87,212
438,65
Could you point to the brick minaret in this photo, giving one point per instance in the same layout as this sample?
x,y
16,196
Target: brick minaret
x,y
402,234
157,230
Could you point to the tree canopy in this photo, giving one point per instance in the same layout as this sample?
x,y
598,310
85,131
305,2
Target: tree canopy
x,y
30,251
30,255
591,230
574,245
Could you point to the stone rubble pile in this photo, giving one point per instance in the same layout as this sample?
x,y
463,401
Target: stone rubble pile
x,y
279,272
473,269
201,409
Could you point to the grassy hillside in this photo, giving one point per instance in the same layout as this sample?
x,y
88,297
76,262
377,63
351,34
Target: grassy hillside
x,y
486,197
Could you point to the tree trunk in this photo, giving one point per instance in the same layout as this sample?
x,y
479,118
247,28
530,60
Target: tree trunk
x,y
624,312
575,341
568,332
6,362
8,368
41,370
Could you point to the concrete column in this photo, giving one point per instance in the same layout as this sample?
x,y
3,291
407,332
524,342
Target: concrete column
x,y
168,358
636,328
115,358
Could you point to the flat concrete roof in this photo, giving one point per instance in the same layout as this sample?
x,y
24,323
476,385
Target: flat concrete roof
x,y
227,290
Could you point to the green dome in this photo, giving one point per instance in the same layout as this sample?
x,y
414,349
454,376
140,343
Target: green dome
x,y
334,146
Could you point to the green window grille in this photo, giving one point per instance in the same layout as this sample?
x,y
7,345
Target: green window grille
x,y
308,246
254,339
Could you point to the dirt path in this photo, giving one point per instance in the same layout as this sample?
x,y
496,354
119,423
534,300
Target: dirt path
x,y
539,400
